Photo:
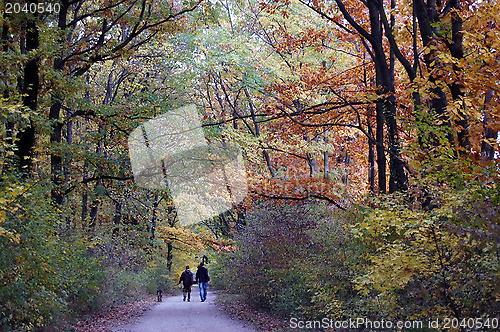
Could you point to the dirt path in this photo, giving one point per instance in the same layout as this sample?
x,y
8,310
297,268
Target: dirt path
x,y
175,315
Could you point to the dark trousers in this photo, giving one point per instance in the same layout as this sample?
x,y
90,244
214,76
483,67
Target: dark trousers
x,y
186,290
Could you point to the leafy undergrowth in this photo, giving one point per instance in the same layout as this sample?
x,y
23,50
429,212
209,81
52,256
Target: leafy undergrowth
x,y
118,315
237,308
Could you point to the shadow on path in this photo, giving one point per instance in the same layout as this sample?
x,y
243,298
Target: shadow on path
x,y
174,315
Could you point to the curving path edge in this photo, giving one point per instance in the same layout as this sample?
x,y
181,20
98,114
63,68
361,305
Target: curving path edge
x,y
175,315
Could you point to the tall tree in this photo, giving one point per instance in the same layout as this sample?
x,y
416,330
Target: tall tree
x,y
30,87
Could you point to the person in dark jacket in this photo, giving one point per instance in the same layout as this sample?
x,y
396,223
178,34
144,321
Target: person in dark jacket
x,y
187,282
202,278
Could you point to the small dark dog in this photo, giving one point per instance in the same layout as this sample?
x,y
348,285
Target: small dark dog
x,y
159,294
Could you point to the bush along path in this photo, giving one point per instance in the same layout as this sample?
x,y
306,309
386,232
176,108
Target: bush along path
x,y
106,320
174,314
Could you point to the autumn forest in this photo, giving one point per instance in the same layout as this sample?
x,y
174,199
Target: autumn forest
x,y
367,132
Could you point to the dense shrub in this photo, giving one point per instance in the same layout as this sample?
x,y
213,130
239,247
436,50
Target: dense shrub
x,y
394,260
49,273
290,259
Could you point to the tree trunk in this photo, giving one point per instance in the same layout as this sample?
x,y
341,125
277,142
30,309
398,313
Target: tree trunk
x,y
381,161
387,102
456,87
427,18
67,157
347,163
85,195
265,154
371,161
94,208
117,218
54,116
487,150
55,157
9,125
172,219
326,161
398,180
311,161
154,216
169,256
85,173
269,164
30,85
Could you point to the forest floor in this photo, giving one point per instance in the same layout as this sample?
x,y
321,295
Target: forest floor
x,y
221,312
117,315
236,308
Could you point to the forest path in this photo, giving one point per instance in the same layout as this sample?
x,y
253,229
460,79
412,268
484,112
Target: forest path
x,y
174,315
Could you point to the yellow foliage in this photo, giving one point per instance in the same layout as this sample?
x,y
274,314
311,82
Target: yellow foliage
x,y
424,246
7,204
187,238
393,269
5,233
324,303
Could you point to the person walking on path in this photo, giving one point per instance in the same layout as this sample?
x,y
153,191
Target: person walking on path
x,y
187,282
202,278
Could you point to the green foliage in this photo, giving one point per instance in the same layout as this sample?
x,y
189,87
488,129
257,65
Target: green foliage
x,y
43,270
49,272
335,260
